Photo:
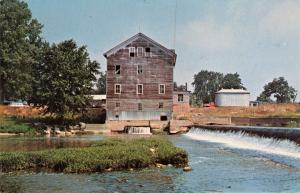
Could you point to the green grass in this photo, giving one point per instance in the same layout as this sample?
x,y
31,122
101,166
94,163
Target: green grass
x,y
9,125
117,154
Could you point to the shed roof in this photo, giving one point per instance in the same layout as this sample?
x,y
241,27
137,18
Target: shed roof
x,y
232,91
133,38
98,97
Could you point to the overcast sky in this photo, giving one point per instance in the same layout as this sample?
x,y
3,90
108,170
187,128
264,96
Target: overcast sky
x,y
258,39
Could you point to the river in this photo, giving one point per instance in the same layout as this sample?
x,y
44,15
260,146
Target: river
x,y
221,162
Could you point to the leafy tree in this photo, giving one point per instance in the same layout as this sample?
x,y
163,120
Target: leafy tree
x,y
101,83
232,81
280,89
19,49
63,79
206,83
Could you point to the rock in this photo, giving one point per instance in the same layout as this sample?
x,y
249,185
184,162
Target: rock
x,y
130,169
169,165
108,169
152,150
160,165
187,169
82,126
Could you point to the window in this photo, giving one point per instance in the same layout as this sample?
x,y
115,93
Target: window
x,y
160,105
140,51
117,104
118,69
147,52
140,107
140,69
180,97
117,89
139,89
161,89
131,51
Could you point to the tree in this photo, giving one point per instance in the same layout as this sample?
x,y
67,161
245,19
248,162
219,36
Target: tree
x,y
232,81
206,83
63,79
280,89
101,83
19,48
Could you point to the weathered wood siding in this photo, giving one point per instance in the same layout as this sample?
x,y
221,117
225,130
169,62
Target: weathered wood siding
x,y
157,69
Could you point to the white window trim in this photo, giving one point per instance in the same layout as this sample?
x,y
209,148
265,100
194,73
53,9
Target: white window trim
x,y
137,89
159,89
137,69
129,50
116,88
147,52
137,51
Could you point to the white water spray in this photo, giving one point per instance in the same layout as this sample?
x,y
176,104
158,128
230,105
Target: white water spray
x,y
243,140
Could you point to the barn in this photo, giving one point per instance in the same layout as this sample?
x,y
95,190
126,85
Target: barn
x,y
232,97
139,80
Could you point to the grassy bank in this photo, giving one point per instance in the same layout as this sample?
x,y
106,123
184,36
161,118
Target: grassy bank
x,y
110,154
9,125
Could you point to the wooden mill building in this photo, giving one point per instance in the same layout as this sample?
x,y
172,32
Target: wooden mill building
x,y
139,80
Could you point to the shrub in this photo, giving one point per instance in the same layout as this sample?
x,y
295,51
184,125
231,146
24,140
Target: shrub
x,y
116,154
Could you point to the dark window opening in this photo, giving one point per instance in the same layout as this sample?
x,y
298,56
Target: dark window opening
x,y
147,51
140,69
131,51
118,69
131,54
117,116
160,105
163,118
180,97
140,106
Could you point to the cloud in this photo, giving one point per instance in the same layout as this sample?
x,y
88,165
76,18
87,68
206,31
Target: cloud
x,y
282,19
207,35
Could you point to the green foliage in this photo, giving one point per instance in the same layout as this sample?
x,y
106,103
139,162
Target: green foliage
x,y
116,154
12,126
101,83
280,89
63,79
206,83
292,124
232,81
19,49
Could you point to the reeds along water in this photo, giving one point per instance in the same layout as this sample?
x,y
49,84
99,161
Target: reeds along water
x,y
242,140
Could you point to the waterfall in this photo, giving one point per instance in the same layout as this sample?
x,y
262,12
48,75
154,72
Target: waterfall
x,y
242,140
139,130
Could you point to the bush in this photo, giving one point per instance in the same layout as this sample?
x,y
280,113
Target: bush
x,y
116,154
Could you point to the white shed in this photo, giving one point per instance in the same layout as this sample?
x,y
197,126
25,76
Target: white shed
x,y
232,97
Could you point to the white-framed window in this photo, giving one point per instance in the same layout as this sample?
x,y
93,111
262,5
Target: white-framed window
x,y
139,89
118,89
160,105
139,69
180,97
147,52
117,69
140,51
140,106
161,89
131,51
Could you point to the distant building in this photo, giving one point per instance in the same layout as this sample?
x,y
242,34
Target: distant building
x,y
181,100
98,100
232,97
139,80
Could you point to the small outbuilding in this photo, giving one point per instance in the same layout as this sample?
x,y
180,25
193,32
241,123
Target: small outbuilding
x,y
232,98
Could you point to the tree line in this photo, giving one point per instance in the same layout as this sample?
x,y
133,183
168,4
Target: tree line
x,y
56,77
207,83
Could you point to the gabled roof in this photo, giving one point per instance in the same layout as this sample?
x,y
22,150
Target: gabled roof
x,y
133,38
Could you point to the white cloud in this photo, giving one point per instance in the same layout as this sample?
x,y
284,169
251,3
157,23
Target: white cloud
x,y
207,35
282,19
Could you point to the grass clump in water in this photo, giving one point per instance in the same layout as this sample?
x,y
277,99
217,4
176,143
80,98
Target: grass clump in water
x,y
110,154
9,125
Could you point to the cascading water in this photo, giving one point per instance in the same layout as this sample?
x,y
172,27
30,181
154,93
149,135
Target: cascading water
x,y
139,130
242,140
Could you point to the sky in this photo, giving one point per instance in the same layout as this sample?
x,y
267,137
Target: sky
x,y
259,39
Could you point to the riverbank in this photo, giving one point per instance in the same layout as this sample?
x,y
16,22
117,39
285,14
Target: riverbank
x,y
104,155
